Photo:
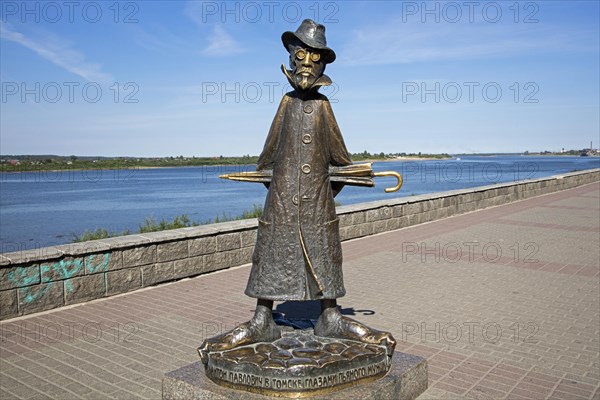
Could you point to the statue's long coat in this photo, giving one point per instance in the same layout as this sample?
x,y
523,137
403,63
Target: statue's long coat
x,y
298,254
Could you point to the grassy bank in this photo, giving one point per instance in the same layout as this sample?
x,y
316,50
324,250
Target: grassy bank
x,y
180,221
152,225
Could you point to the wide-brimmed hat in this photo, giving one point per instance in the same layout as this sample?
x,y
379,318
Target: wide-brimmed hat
x,y
312,35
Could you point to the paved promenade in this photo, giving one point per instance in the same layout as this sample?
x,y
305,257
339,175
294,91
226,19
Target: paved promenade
x,y
503,302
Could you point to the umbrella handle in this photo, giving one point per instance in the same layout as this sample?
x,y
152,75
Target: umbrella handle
x,y
394,174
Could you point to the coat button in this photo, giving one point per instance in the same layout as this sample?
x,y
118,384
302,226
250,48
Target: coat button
x,y
295,200
306,169
306,138
308,109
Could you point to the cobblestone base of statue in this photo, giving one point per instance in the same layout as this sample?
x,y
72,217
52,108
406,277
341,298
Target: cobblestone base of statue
x,y
299,364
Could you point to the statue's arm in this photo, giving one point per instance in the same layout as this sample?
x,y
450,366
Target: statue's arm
x,y
339,155
267,156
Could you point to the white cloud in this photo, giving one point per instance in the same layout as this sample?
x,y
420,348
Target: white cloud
x,y
395,42
194,10
222,44
57,51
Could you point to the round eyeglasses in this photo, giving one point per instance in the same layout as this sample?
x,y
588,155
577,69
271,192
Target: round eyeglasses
x,y
301,54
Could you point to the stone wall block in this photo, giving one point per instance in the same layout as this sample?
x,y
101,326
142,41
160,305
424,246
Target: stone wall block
x,y
232,258
442,212
359,218
65,268
44,296
386,212
352,232
435,204
156,273
246,255
213,262
345,220
427,216
124,280
414,208
9,305
142,255
415,219
517,196
19,276
249,238
452,210
170,251
404,221
392,224
226,259
81,249
398,211
185,268
84,288
228,241
102,262
344,233
380,226
204,245
373,215
365,229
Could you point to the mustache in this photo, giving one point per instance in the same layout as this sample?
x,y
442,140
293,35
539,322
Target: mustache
x,y
305,69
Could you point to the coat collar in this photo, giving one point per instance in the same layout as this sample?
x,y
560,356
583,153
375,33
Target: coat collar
x,y
323,80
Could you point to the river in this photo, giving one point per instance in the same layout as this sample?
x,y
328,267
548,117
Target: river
x,y
44,208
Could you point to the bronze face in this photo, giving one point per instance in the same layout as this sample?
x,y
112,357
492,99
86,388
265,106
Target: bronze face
x,y
307,66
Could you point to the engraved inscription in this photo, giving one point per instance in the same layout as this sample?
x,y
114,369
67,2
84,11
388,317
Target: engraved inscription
x,y
303,383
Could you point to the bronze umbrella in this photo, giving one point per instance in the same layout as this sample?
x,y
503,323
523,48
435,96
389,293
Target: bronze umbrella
x,y
354,175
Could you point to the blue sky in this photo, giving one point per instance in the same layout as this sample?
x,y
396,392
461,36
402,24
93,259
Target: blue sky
x,y
154,78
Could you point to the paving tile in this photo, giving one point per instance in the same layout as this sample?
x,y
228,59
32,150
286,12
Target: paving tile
x,y
489,326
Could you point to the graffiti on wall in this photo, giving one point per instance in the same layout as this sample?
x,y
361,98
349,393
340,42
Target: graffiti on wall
x,y
27,278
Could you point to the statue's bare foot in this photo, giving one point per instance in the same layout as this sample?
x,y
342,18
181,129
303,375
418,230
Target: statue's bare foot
x,y
333,324
261,328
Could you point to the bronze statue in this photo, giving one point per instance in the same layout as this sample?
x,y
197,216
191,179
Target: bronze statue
x,y
298,254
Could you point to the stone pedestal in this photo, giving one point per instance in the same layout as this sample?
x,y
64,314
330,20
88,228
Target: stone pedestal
x,y
406,379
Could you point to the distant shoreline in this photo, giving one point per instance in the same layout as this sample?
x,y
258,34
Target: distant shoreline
x,y
420,158
133,167
375,160
224,165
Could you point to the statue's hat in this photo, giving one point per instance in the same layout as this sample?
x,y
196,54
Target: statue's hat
x,y
312,35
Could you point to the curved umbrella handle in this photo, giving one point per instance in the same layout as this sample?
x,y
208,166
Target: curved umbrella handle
x,y
394,174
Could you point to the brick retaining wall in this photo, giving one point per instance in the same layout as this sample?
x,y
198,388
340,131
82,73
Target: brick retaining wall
x,y
50,277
